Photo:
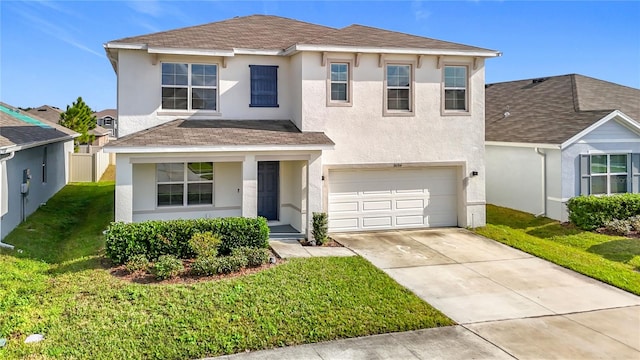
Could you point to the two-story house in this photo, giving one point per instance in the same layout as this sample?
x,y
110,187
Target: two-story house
x,y
273,117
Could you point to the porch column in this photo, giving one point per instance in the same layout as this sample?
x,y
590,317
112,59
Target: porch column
x,y
124,189
314,189
250,187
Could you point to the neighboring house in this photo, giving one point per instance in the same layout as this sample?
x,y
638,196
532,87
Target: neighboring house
x,y
101,136
108,120
550,139
33,163
49,113
273,117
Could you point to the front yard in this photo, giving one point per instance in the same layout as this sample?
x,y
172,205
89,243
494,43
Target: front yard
x,y
60,286
611,259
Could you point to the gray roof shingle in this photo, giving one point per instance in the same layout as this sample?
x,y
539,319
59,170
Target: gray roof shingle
x,y
553,110
268,32
17,132
47,112
190,133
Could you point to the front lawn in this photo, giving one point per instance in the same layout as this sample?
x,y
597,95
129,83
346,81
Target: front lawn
x,y
611,259
59,287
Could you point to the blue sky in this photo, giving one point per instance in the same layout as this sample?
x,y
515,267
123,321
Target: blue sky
x,y
51,51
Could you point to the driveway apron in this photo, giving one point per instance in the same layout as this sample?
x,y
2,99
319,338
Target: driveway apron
x,y
526,306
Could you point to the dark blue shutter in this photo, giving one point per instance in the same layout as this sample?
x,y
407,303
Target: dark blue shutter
x,y
264,86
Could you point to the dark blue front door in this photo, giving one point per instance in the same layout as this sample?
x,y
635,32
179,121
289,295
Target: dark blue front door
x,y
268,185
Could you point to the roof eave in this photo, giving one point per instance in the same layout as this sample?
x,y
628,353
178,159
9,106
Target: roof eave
x,y
215,148
383,50
523,144
628,122
30,145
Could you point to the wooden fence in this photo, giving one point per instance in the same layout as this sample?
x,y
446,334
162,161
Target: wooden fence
x,y
89,167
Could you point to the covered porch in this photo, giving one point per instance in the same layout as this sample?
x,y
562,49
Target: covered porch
x,y
281,182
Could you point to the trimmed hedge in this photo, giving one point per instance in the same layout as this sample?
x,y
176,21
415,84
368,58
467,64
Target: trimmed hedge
x,y
591,212
156,238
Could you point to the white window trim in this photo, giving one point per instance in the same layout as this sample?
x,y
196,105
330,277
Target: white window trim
x,y
443,109
412,107
607,175
189,110
185,187
349,82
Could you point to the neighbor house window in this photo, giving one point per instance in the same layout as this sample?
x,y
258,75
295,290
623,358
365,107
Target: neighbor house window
x,y
455,88
398,92
339,83
603,174
609,174
264,86
185,184
189,86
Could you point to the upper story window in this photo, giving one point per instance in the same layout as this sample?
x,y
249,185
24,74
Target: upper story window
x,y
399,89
339,84
264,85
184,184
189,86
455,88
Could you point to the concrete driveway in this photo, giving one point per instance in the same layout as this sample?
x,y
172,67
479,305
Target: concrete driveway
x,y
525,306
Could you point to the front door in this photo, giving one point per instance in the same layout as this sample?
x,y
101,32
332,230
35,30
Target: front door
x,y
268,186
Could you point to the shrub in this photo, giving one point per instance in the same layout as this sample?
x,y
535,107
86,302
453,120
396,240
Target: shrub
x,y
255,257
205,266
205,244
634,221
231,263
320,227
592,212
156,238
167,266
137,263
620,227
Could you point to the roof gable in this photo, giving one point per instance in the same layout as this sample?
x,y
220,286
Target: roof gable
x,y
551,110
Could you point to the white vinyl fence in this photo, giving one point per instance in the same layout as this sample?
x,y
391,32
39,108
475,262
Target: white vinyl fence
x,y
89,167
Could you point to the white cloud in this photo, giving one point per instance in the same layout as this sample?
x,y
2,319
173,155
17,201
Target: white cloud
x,y
418,12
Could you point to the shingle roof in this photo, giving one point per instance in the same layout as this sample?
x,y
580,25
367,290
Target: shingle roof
x,y
16,131
189,133
106,112
47,112
99,131
552,110
268,32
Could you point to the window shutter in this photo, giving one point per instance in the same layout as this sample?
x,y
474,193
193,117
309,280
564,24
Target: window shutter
x,y
635,173
585,176
264,86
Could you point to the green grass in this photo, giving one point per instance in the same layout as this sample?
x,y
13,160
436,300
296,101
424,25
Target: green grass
x,y
612,259
57,287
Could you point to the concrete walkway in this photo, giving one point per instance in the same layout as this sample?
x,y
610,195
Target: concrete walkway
x,y
509,304
290,248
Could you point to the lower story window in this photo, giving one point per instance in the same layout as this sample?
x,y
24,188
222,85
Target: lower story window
x,y
604,174
184,184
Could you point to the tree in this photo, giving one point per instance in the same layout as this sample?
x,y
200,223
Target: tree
x,y
79,118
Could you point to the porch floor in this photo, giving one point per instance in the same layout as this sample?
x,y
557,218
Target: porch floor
x,y
283,229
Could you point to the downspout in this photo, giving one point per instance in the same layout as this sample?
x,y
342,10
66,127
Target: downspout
x,y
3,159
544,181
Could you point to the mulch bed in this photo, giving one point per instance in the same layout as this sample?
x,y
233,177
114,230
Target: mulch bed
x,y
142,277
631,235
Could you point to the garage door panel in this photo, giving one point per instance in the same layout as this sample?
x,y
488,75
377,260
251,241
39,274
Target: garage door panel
x,y
343,206
376,222
411,220
386,199
376,205
410,204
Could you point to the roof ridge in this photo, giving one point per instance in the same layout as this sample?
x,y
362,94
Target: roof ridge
x,y
574,93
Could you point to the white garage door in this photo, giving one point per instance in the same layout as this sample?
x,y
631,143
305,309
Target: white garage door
x,y
389,199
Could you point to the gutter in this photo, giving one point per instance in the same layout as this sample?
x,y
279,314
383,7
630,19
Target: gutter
x,y
544,181
3,159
